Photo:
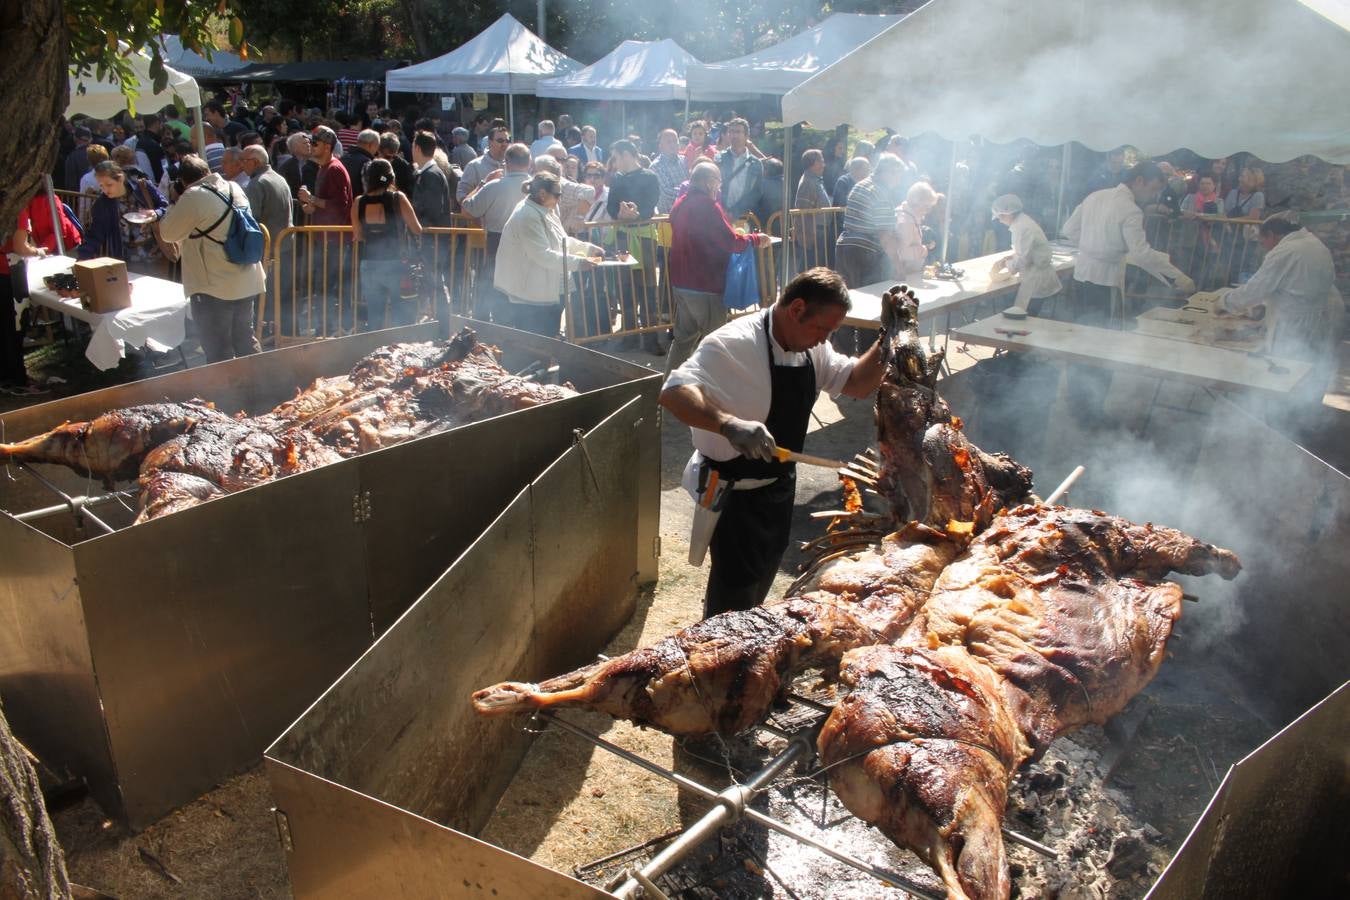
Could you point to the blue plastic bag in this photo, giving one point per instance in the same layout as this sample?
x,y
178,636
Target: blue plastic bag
x,y
742,288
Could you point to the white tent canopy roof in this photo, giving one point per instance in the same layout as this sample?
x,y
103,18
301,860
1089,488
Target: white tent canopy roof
x,y
781,67
1267,77
190,62
506,58
634,70
104,99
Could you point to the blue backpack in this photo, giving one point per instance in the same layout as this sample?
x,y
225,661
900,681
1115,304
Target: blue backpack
x,y
244,242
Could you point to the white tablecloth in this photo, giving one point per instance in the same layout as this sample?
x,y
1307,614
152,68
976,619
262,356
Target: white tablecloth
x,y
156,318
1137,353
940,297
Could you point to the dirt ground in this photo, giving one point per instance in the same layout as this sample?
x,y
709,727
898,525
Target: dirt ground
x,y
571,803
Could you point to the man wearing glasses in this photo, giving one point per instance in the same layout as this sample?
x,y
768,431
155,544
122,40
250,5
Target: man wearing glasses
x,y
476,172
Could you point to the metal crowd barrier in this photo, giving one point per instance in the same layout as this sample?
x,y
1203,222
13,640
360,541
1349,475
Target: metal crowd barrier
x,y
315,285
1214,251
810,237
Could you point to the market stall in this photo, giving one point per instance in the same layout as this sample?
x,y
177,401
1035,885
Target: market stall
x,y
344,83
506,58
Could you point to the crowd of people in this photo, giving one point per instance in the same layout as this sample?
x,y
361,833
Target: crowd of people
x,y
557,200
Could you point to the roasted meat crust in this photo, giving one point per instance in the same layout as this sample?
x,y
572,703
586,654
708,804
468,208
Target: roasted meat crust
x,y
394,394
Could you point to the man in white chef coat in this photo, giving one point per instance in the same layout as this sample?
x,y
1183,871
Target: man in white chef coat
x,y
1296,287
1108,227
749,388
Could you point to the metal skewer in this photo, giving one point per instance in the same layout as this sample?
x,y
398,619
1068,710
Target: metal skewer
x,y
1064,486
882,875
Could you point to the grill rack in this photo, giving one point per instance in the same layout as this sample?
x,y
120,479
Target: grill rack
x,y
733,804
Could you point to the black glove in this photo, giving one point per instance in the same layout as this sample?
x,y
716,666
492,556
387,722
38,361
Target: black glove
x,y
751,439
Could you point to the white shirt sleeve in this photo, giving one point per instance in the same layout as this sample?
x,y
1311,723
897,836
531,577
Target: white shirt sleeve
x,y
1139,253
1262,286
832,368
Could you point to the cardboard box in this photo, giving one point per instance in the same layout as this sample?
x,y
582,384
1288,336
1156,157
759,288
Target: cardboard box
x,y
103,284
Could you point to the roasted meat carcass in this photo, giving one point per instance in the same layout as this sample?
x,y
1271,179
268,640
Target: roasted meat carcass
x,y
922,746
112,446
184,454
1053,618
723,674
930,472
218,458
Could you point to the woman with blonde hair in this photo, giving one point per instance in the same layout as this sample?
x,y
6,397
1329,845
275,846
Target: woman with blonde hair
x,y
1248,199
911,250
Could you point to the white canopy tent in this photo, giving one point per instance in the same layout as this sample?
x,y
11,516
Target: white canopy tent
x,y
634,70
778,69
190,62
104,99
1269,78
1102,73
506,58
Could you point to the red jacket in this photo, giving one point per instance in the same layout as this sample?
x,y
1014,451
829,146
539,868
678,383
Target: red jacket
x,y
702,241
36,219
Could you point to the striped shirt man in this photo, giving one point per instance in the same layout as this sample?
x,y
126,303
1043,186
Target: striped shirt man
x,y
869,213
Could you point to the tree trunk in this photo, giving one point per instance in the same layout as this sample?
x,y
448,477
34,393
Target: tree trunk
x,y
417,24
32,866
33,72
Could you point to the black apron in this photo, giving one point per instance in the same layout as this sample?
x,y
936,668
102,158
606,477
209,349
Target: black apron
x,y
752,534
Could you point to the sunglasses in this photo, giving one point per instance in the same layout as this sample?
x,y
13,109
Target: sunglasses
x,y
501,140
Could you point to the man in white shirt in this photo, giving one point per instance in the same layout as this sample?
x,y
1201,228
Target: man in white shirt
x,y
1296,285
545,140
749,387
1108,227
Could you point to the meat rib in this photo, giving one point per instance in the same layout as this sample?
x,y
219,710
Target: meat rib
x,y
723,674
1060,616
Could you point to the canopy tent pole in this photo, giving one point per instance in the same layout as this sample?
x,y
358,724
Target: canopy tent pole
x,y
947,210
199,131
1063,184
785,248
56,215
623,120
511,114
686,110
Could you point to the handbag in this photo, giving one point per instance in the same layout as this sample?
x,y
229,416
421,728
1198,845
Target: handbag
x,y
168,249
742,288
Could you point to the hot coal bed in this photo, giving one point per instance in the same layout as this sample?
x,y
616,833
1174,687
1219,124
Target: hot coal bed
x,y
1100,815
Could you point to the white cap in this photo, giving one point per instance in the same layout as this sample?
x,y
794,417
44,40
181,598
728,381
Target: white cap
x,y
1007,204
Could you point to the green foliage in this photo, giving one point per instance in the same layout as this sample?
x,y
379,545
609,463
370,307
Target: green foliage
x,y
104,33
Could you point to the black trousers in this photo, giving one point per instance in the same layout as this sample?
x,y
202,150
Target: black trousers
x,y
538,318
1087,386
12,371
747,546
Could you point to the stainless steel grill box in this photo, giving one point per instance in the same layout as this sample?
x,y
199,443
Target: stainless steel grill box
x,y
383,783
159,659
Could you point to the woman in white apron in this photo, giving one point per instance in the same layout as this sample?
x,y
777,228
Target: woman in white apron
x,y
1030,257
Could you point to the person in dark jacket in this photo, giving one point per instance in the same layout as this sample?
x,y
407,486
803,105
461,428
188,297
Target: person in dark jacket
x,y
403,170
701,243
433,201
110,234
355,158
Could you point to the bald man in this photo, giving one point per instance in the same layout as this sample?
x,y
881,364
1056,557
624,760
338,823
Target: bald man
x,y
268,193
